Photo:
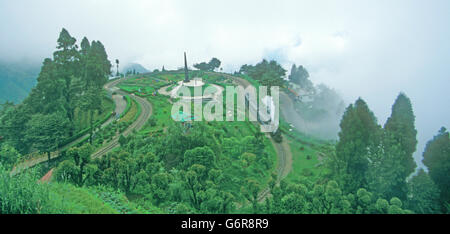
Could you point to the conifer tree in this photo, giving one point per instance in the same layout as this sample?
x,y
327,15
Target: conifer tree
x,y
359,136
67,61
437,158
400,125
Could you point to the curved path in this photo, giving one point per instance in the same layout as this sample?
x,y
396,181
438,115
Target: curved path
x,y
282,149
146,112
120,106
173,93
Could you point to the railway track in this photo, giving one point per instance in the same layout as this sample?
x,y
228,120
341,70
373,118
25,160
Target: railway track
x,y
282,149
44,158
146,112
146,108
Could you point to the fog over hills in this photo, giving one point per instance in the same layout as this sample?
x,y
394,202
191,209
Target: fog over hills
x,y
369,49
133,67
17,78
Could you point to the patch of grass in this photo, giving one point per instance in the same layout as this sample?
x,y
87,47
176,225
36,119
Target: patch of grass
x,y
308,156
211,89
161,114
73,200
120,202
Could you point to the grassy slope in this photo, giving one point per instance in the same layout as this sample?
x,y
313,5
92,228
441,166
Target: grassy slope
x,y
308,153
74,200
68,198
17,79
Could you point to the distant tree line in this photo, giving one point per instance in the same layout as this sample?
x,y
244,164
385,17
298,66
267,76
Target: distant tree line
x,y
212,65
380,159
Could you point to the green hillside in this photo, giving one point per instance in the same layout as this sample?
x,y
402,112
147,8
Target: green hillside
x,y
16,80
62,150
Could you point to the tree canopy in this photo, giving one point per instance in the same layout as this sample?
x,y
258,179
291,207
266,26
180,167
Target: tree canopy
x,y
212,65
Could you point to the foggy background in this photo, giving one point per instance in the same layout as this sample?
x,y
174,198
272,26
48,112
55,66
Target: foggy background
x,y
372,49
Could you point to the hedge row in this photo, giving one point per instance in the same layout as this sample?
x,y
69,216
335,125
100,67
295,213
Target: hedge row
x,y
128,99
138,111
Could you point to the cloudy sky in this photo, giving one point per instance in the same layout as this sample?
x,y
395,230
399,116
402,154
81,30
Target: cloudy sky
x,y
373,49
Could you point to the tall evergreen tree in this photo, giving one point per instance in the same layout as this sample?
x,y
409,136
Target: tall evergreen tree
x,y
99,66
359,136
437,158
67,61
85,47
46,97
400,125
384,175
393,162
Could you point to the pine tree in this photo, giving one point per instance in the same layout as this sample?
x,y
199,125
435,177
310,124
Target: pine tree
x,y
300,76
99,66
47,96
84,57
67,60
359,136
400,125
437,158
384,177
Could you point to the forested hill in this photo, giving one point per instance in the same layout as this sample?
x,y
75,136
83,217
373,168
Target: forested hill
x,y
17,79
136,67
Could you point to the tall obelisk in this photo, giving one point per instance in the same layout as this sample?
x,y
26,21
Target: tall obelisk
x,y
186,74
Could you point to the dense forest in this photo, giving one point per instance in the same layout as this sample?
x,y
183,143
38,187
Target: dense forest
x,y
205,167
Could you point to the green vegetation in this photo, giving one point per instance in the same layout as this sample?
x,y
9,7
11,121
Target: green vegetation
x,y
210,90
265,73
436,158
306,161
160,118
200,166
213,64
68,198
130,111
69,83
82,121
